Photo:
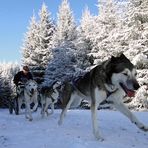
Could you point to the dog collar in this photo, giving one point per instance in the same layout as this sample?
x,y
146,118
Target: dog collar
x,y
110,89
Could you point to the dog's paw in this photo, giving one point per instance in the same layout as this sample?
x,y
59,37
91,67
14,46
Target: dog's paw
x,y
59,122
144,128
42,115
29,118
98,137
34,110
48,114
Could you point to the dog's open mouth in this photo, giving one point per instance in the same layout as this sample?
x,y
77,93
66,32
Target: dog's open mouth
x,y
129,92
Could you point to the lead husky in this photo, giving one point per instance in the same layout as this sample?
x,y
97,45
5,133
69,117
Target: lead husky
x,y
28,94
110,81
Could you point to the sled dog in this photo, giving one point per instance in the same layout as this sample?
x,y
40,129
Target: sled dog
x,y
111,81
49,96
28,94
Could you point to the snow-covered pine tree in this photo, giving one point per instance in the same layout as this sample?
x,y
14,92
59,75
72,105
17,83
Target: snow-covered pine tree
x,y
66,26
6,82
30,43
83,47
46,31
85,33
42,53
1,86
136,31
86,26
106,23
61,67
38,43
5,87
67,54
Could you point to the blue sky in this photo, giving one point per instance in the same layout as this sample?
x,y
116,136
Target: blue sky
x,y
15,16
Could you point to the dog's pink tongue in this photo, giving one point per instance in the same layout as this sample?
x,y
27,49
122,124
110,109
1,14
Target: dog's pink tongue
x,y
130,93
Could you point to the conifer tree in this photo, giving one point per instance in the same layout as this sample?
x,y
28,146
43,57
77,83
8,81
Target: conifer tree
x,y
38,44
7,72
66,54
66,26
42,53
106,24
136,30
86,34
30,43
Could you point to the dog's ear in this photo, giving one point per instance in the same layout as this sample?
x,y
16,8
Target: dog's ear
x,y
123,56
113,59
120,57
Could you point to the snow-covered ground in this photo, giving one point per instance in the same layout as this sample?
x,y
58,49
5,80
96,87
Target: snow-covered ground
x,y
76,132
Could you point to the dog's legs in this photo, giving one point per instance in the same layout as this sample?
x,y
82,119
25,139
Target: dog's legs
x,y
63,113
19,105
42,105
94,122
35,106
97,97
123,109
28,111
52,106
46,108
43,110
52,109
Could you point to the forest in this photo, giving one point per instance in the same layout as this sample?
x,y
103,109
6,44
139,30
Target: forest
x,y
63,48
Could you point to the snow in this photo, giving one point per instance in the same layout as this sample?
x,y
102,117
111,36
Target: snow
x,y
76,131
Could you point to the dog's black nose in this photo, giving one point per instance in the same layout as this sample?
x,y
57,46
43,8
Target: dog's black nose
x,y
136,86
32,90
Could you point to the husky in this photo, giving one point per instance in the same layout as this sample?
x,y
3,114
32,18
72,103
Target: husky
x,y
110,81
49,96
27,95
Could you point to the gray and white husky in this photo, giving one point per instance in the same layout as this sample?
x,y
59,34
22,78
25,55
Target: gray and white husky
x,y
49,96
28,94
110,81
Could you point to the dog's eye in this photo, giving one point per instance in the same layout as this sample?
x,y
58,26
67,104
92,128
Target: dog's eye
x,y
135,73
125,74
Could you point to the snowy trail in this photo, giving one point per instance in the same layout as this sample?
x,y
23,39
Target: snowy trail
x,y
76,132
